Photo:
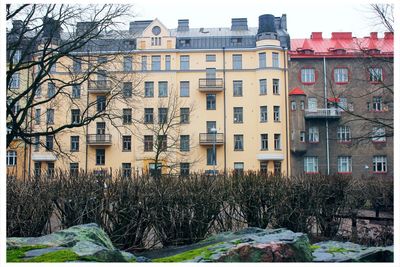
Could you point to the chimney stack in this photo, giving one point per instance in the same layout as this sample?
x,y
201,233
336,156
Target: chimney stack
x,y
183,25
239,24
373,35
316,35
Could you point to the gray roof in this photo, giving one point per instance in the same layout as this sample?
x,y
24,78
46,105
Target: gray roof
x,y
207,32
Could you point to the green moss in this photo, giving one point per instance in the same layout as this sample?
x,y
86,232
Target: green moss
x,y
314,247
189,255
237,242
339,250
56,256
16,254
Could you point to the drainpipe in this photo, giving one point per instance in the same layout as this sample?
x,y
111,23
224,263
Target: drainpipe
x,y
26,122
223,68
87,115
286,113
326,122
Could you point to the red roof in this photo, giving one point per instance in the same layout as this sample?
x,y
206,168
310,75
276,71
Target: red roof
x,y
333,99
297,91
341,41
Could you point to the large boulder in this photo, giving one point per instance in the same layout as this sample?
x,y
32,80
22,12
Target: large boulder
x,y
86,242
248,245
334,251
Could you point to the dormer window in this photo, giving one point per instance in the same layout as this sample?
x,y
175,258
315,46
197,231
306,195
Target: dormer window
x,y
184,42
155,41
236,40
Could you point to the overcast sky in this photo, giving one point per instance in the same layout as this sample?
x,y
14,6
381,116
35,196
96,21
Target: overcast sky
x,y
303,17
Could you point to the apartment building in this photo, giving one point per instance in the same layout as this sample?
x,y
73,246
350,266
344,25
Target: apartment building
x,y
180,100
341,104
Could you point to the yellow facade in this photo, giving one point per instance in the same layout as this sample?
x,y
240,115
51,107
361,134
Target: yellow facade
x,y
250,157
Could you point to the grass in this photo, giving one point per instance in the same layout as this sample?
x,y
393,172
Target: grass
x,y
314,247
339,250
56,256
16,254
189,255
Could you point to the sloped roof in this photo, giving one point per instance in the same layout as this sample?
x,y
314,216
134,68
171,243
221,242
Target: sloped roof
x,y
297,91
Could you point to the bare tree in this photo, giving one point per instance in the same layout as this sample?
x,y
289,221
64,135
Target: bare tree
x,y
44,41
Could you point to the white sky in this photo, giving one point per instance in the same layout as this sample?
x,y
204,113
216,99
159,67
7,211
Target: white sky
x,y
303,16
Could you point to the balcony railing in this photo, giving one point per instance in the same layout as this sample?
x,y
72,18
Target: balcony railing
x,y
99,86
98,139
211,138
211,84
324,113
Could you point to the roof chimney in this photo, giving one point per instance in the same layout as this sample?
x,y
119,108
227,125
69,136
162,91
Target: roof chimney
x,y
51,28
373,35
239,24
183,25
316,35
388,35
84,27
341,35
17,26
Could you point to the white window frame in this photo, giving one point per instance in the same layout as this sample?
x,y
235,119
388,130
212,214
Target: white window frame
x,y
308,75
379,164
275,60
341,75
344,164
11,158
378,134
344,134
14,83
313,134
375,74
311,164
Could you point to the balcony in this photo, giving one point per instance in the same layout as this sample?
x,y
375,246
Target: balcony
x,y
322,113
211,85
98,139
209,139
99,86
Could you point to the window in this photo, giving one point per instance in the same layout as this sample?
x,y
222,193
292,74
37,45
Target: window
x,y
237,62
211,125
377,103
155,41
378,134
144,62
237,88
162,115
75,116
36,143
77,65
16,57
73,169
275,60
185,168
11,158
148,89
184,143
344,134
126,170
162,142
277,167
162,89
38,92
277,141
37,168
342,103
184,88
293,105
167,62
148,115
49,142
211,156
341,75
238,142
238,167
76,91
126,143
262,60
50,169
277,117
344,164
210,58
184,115
264,141
37,116
155,170
51,90
263,114
379,164
313,134
311,164
375,74
263,166
102,60
302,136
312,104
127,63
308,75
237,115
275,86
101,103
302,105
14,82
127,116
50,116
127,89
185,63
148,143
53,67
155,62
263,86
211,103
74,143
100,156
